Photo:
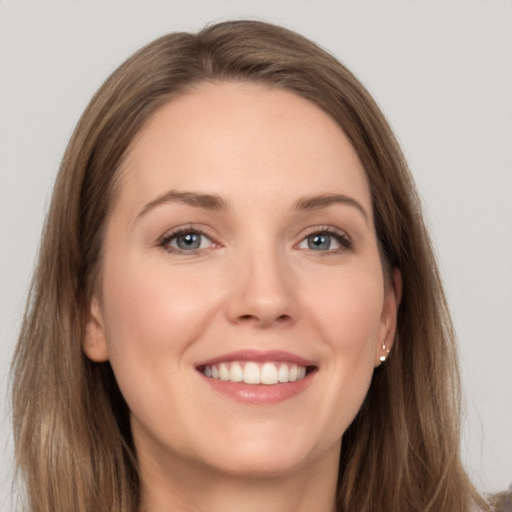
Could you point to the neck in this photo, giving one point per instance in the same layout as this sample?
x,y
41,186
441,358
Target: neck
x,y
188,488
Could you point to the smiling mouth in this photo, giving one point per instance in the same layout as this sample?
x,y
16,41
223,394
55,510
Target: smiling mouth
x,y
252,372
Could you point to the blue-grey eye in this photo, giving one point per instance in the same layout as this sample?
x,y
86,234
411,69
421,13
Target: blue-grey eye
x,y
319,242
187,241
324,241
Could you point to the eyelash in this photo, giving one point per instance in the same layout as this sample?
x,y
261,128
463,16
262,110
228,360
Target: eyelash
x,y
166,240
339,236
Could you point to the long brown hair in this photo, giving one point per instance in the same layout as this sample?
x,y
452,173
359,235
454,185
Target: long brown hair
x,y
72,434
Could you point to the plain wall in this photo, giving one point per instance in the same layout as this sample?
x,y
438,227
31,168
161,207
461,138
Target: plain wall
x,y
442,74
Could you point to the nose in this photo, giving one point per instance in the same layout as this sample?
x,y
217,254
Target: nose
x,y
263,292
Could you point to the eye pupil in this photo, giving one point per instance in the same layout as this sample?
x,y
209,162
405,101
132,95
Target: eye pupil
x,y
319,242
189,241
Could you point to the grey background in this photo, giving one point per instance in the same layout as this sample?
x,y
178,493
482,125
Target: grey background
x,y
441,72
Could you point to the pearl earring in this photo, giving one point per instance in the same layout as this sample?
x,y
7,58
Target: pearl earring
x,y
384,349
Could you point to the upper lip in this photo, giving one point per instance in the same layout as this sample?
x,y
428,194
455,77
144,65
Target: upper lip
x,y
258,356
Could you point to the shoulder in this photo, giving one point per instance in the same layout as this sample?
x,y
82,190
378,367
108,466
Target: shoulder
x,y
502,502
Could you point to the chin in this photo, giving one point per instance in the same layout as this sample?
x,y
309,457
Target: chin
x,y
261,464
266,452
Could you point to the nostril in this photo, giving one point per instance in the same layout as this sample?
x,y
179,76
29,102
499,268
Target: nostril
x,y
257,319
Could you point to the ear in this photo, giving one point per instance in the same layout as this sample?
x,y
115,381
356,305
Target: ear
x,y
388,321
95,344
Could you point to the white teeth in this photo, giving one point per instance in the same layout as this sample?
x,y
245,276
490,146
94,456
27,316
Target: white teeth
x,y
269,374
223,372
250,372
282,374
236,373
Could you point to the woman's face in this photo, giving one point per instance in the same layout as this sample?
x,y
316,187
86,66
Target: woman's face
x,y
241,249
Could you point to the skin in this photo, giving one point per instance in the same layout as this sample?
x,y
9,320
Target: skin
x,y
254,283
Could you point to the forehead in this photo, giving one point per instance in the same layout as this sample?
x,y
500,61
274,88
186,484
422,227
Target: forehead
x,y
244,139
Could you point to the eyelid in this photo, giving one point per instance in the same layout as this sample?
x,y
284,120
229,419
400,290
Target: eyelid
x,y
168,236
325,228
341,236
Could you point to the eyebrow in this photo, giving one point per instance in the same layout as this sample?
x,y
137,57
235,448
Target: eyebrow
x,y
325,200
214,202
205,201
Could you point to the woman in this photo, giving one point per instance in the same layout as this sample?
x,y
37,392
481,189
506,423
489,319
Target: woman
x,y
236,305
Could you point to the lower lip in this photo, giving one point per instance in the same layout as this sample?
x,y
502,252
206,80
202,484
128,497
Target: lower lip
x,y
260,393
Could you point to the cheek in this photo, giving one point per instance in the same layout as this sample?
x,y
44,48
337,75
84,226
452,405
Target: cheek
x,y
149,305
347,314
347,309
152,316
